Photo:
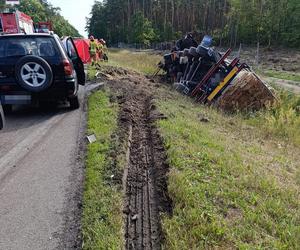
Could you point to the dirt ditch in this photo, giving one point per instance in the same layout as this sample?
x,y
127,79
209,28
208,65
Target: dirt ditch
x,y
145,173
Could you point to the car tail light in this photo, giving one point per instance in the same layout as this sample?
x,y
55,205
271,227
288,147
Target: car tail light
x,y
68,68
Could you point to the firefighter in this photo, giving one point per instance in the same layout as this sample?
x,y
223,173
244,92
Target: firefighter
x,y
105,50
93,50
100,50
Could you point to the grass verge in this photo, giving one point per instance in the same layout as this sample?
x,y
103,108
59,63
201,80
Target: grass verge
x,y
231,187
281,120
283,75
142,62
91,73
102,202
234,180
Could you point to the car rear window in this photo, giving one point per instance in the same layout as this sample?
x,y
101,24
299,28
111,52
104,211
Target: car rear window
x,y
20,46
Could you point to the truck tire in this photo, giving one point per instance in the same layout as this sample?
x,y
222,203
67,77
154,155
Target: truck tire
x,y
33,73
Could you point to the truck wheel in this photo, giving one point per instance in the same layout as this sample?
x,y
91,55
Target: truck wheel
x,y
74,103
33,73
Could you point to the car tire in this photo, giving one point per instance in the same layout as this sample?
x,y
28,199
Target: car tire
x,y
33,73
74,103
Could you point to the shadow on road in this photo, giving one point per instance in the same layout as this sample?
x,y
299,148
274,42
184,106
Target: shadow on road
x,y
26,116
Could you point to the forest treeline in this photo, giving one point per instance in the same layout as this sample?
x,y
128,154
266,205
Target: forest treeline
x,y
43,11
230,22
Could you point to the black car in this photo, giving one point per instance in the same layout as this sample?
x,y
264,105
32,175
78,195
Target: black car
x,y
2,121
39,68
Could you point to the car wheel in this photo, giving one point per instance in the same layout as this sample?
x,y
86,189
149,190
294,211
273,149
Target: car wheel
x,y
74,102
33,73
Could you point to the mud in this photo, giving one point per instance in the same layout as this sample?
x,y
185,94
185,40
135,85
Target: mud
x,y
145,172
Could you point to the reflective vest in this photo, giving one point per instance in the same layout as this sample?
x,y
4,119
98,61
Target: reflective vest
x,y
100,47
93,47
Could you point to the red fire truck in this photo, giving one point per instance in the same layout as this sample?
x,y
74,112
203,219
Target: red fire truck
x,y
43,27
16,22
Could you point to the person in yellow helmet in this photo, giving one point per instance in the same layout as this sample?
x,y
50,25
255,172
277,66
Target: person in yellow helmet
x,y
100,50
93,50
105,50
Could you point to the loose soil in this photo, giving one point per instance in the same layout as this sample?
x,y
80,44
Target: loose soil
x,y
146,168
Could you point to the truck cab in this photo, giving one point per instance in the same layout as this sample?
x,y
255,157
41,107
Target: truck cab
x,y
16,22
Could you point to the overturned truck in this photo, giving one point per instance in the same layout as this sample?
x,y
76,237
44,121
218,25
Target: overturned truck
x,y
210,77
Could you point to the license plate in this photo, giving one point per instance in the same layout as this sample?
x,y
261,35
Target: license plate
x,y
17,99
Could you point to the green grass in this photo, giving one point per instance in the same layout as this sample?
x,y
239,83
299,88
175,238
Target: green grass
x,y
102,202
282,120
91,72
231,188
142,62
283,75
234,181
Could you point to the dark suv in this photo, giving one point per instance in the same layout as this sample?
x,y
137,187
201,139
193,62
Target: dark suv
x,y
39,68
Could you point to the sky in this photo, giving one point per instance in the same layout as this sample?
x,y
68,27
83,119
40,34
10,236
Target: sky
x,y
75,11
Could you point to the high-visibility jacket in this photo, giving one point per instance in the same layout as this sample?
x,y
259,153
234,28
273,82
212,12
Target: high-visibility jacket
x,y
105,50
100,47
93,47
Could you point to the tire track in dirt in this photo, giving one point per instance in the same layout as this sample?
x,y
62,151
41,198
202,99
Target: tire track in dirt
x,y
142,220
145,176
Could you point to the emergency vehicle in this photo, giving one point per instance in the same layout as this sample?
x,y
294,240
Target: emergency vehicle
x,y
16,22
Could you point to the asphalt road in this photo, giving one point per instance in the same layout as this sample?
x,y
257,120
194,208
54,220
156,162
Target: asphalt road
x,y
41,175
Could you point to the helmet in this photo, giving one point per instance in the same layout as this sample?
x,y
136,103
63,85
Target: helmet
x,y
102,41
